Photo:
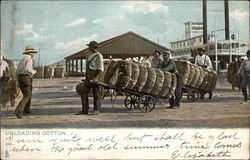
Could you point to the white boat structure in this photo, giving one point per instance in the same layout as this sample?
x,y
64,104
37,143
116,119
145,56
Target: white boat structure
x,y
221,51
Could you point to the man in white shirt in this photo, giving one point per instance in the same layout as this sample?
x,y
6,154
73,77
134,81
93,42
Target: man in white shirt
x,y
203,60
156,61
25,72
94,66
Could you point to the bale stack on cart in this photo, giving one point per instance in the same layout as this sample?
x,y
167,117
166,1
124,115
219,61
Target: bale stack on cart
x,y
196,79
141,84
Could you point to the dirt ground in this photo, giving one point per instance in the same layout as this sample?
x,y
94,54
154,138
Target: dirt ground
x,y
55,103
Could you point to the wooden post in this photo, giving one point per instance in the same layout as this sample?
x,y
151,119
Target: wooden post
x,y
69,67
66,65
81,64
72,63
76,65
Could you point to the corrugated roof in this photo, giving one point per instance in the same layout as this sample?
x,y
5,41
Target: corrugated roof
x,y
113,39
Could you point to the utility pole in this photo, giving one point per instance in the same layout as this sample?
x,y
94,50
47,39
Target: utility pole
x,y
204,3
39,57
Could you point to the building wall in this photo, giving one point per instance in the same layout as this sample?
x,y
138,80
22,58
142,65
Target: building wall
x,y
192,42
193,29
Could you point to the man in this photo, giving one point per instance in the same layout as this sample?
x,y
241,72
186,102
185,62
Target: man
x,y
156,61
237,67
169,66
10,88
244,71
25,72
205,62
94,67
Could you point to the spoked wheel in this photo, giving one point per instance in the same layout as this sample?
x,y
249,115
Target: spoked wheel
x,y
147,103
131,101
193,95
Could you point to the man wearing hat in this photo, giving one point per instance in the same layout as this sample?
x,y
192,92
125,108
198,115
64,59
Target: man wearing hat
x,y
169,66
156,61
25,72
94,66
203,60
238,63
10,84
244,71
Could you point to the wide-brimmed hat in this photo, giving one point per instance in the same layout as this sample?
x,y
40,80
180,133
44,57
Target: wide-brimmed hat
x,y
201,49
93,44
166,53
29,49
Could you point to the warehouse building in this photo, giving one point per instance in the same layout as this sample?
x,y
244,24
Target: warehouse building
x,y
128,45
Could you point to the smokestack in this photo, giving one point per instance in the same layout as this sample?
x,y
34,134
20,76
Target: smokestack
x,y
204,21
226,9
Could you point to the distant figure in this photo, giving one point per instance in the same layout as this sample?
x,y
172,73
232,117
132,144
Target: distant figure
x,y
25,72
238,63
156,61
10,85
244,71
169,66
205,62
94,66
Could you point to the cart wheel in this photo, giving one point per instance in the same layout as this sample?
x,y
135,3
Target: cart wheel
x,y
131,101
147,103
193,95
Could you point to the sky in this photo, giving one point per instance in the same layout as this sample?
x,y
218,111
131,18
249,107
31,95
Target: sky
x,y
57,29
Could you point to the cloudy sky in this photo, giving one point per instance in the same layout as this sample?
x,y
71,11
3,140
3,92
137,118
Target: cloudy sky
x,y
61,28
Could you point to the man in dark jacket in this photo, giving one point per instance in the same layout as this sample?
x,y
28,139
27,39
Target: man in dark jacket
x,y
169,66
244,71
237,67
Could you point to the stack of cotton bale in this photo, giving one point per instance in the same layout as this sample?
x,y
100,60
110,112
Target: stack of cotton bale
x,y
232,74
39,72
59,72
195,76
48,72
79,88
138,78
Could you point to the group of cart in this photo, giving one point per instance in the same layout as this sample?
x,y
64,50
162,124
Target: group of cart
x,y
145,102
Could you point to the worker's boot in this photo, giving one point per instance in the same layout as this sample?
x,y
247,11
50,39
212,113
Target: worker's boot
x,y
244,94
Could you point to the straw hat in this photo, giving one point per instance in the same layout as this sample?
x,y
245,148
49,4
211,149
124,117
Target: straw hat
x,y
29,49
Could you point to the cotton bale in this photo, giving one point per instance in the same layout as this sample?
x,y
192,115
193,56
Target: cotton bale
x,y
158,82
150,81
